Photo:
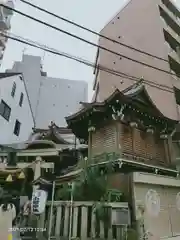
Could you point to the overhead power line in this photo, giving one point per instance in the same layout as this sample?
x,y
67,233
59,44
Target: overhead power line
x,y
92,31
83,61
89,42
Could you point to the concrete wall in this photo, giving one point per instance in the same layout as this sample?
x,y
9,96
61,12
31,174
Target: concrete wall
x,y
22,114
52,99
59,98
161,222
30,67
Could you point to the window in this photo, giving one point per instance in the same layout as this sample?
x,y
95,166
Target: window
x,y
13,89
17,128
5,110
21,100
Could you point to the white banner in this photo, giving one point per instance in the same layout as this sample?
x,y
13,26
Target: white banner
x,y
38,202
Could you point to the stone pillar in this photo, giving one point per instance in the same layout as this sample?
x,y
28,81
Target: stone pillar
x,y
93,222
101,229
84,222
41,225
75,222
66,221
37,169
58,221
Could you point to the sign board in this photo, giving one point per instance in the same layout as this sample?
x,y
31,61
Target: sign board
x,y
38,202
120,216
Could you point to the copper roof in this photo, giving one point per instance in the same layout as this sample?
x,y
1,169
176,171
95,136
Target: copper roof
x,y
133,91
135,99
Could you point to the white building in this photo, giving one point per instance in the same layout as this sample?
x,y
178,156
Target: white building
x,y
5,26
16,118
51,99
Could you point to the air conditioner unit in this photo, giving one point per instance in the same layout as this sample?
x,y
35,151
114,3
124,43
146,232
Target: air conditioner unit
x,y
120,217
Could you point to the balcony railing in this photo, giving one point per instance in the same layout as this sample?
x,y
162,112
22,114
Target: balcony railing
x,y
175,56
172,7
173,34
170,18
174,63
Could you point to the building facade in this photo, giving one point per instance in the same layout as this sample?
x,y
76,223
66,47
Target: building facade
x,y
122,124
5,26
51,98
152,27
16,119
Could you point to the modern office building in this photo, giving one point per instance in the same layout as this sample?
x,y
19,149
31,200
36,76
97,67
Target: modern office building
x,y
51,99
5,26
152,27
16,118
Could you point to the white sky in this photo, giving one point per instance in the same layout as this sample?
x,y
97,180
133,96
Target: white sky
x,y
93,14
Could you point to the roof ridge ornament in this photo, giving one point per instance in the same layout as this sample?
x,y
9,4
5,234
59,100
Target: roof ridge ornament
x,y
118,114
52,124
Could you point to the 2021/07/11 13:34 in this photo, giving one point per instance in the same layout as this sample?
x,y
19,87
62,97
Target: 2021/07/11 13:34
x,y
27,229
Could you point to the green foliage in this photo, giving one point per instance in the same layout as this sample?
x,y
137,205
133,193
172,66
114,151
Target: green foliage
x,y
132,234
102,213
92,186
89,188
63,193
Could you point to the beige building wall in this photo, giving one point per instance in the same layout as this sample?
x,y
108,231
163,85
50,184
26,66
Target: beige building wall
x,y
139,25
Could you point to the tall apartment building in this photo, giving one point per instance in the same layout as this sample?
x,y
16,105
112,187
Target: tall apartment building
x,y
5,17
153,27
51,99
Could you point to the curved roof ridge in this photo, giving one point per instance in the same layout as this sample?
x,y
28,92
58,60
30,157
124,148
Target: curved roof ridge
x,y
41,141
132,92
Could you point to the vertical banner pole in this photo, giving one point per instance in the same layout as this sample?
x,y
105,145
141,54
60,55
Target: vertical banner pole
x,y
51,212
71,212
